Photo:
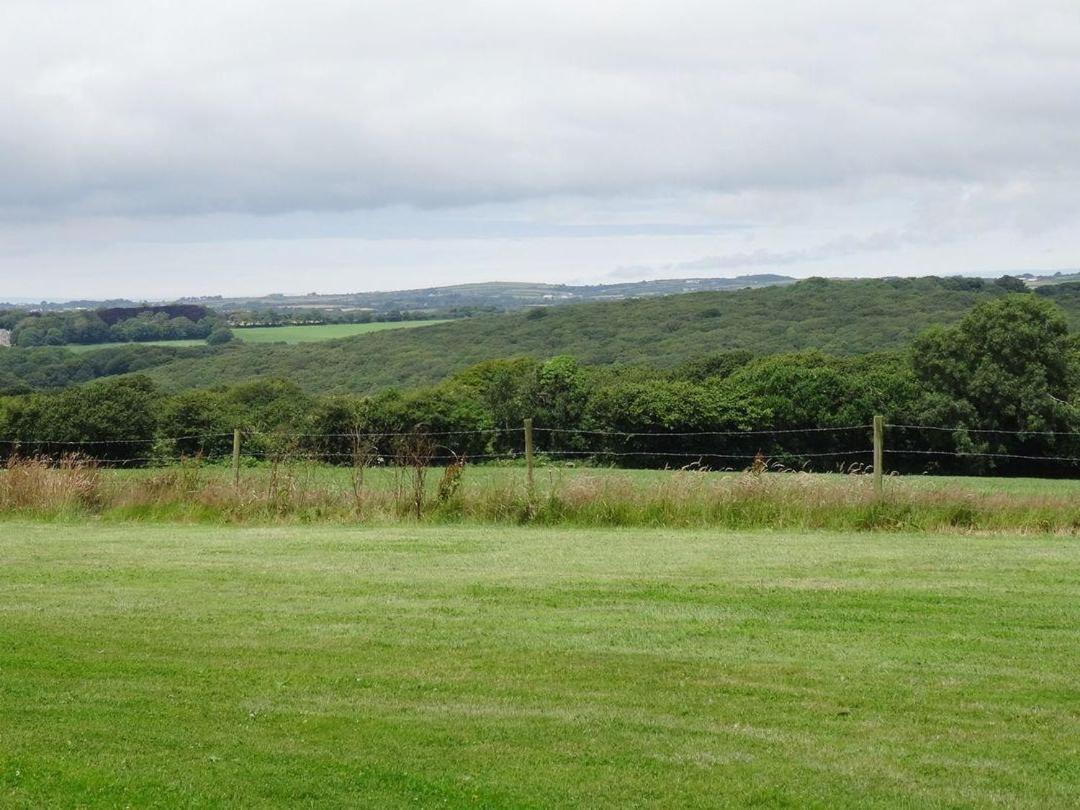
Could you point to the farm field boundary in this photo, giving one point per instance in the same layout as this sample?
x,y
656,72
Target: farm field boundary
x,y
418,476
297,492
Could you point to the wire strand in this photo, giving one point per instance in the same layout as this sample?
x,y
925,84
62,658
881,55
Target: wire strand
x,y
779,431
1071,459
374,435
702,455
99,442
985,430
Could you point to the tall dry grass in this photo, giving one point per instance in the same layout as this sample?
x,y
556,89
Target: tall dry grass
x,y
66,485
755,499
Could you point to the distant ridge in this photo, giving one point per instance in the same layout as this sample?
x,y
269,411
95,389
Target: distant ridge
x,y
490,295
1060,277
493,295
496,295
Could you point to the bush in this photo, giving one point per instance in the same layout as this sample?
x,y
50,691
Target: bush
x,y
220,336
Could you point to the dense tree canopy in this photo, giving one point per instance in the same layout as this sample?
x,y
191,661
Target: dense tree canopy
x,y
47,369
1006,367
697,335
1003,380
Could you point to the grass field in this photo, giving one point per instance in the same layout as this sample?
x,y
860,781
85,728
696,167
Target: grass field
x,y
150,665
547,477
299,492
89,347
279,334
330,331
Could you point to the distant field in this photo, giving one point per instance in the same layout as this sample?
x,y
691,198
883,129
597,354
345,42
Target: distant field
x,y
278,334
89,347
515,667
330,331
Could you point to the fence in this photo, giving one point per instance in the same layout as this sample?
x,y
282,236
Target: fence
x,y
877,448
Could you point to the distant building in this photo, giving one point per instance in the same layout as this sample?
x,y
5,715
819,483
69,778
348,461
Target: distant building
x,y
5,338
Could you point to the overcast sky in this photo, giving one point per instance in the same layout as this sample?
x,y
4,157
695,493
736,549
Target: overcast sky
x,y
151,148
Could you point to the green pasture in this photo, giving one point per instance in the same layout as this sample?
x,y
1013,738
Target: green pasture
x,y
329,331
278,334
146,665
89,347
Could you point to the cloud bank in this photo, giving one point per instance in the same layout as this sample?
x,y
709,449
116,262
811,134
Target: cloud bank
x,y
813,125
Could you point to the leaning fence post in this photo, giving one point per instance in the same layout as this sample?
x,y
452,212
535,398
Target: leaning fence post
x,y
529,458
236,457
879,454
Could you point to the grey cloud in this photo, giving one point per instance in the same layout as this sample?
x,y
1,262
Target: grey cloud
x,y
167,147
130,109
763,257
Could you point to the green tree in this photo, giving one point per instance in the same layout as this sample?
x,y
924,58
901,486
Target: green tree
x,y
1004,367
503,387
198,423
718,364
557,397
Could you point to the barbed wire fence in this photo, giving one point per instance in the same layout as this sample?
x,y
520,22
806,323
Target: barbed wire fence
x,y
875,448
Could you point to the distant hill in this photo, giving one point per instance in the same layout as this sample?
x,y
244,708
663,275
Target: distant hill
x,y
840,317
495,295
54,305
1061,277
492,296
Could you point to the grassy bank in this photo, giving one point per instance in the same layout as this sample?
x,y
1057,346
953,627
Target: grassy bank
x,y
306,493
455,666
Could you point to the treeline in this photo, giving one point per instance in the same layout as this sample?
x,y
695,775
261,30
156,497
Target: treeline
x,y
298,316
116,325
1005,381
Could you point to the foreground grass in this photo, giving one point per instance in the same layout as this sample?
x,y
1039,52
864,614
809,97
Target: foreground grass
x,y
524,667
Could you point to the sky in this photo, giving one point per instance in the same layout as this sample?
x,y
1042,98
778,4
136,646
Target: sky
x,y
152,149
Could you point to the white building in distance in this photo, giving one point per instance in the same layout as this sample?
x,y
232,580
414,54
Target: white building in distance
x,y
5,338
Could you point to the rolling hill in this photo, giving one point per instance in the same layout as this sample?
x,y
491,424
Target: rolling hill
x,y
840,317
493,295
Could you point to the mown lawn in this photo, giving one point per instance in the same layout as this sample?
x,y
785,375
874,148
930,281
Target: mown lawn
x,y
166,665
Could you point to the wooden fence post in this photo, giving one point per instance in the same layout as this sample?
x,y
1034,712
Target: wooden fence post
x,y
236,457
879,454
529,457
